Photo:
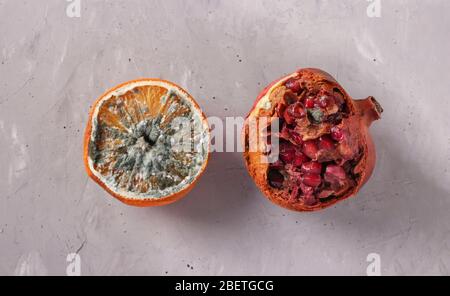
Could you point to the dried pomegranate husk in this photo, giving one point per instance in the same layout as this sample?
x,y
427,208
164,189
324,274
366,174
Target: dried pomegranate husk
x,y
334,133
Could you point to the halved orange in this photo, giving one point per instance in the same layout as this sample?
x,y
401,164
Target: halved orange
x,y
146,142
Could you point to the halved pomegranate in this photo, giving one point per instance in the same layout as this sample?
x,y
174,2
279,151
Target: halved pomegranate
x,y
326,153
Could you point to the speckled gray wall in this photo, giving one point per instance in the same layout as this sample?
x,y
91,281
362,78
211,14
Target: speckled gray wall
x,y
52,67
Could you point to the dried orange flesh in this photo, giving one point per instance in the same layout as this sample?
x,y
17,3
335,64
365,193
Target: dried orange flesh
x,y
146,140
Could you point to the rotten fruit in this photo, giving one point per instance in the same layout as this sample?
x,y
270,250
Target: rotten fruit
x,y
326,153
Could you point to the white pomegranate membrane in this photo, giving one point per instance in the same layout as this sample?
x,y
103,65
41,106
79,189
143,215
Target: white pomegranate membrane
x,y
317,153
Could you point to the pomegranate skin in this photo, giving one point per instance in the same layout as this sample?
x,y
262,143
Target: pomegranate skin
x,y
362,113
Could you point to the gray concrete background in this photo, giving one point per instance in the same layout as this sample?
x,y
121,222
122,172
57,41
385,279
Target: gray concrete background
x,y
53,67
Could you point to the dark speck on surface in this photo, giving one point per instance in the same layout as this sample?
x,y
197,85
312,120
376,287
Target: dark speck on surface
x,y
129,59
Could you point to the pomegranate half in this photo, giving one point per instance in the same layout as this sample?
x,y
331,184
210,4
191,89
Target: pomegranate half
x,y
321,151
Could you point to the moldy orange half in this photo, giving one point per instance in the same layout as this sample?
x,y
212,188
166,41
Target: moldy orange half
x,y
146,142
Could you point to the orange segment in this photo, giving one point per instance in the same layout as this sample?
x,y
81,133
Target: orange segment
x,y
147,142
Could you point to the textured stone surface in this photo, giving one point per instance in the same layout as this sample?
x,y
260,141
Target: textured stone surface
x,y
52,67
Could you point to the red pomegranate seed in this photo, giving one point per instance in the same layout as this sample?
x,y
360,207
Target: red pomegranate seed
x,y
312,167
287,152
296,138
326,143
308,195
275,178
313,180
293,85
285,133
335,172
309,103
307,190
309,200
297,110
287,116
293,112
310,149
300,159
280,109
337,134
294,193
325,100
